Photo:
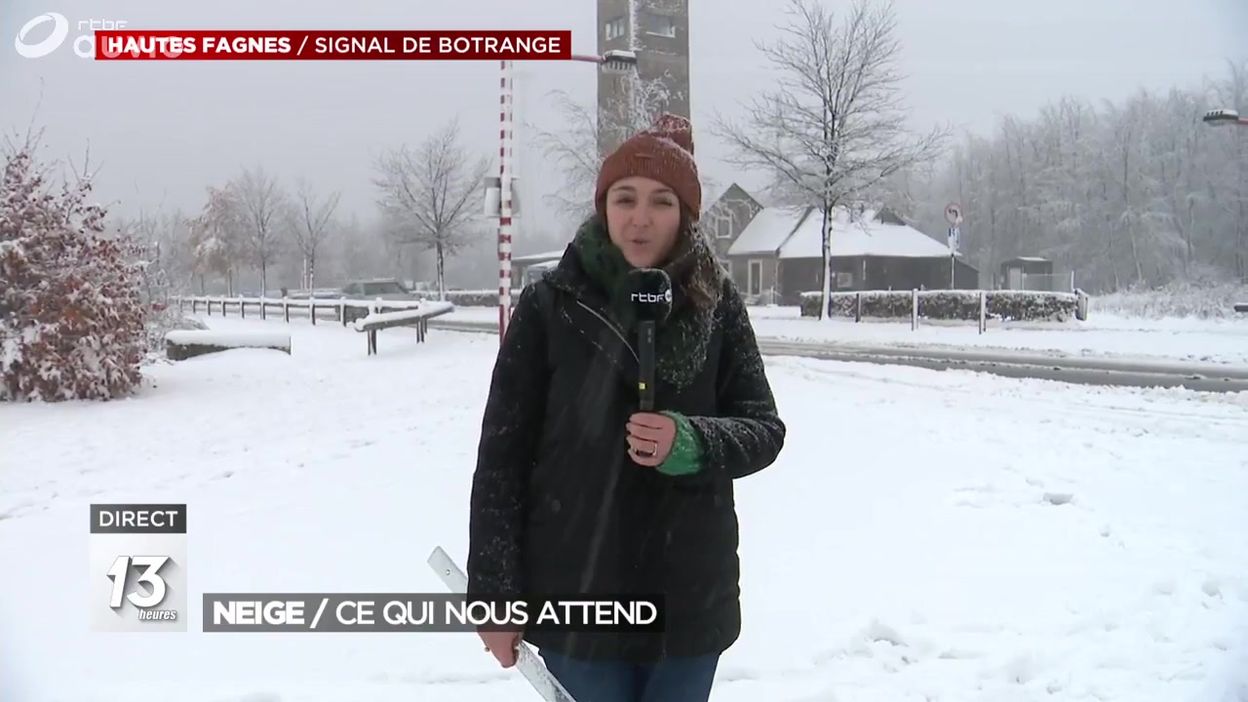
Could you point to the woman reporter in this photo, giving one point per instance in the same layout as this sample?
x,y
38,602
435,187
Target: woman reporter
x,y
579,492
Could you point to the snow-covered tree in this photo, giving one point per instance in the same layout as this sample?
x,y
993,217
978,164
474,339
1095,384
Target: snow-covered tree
x,y
310,225
264,206
217,237
834,126
1134,194
429,196
576,146
71,313
163,240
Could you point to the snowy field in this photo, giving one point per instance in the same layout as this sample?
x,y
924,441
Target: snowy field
x,y
1196,340
924,536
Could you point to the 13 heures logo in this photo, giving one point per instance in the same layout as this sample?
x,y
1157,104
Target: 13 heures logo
x,y
138,567
29,44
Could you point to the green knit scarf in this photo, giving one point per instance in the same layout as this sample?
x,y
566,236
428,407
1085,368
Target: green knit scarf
x,y
682,339
606,266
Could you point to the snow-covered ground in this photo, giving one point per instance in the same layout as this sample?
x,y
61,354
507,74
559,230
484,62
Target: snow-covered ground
x,y
1208,341
1176,299
924,536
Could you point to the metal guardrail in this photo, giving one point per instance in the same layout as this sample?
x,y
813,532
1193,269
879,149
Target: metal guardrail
x,y
285,305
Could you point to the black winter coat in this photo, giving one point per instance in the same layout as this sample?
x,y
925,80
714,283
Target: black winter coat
x,y
558,506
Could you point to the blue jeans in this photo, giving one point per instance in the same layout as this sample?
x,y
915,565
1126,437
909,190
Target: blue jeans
x,y
669,680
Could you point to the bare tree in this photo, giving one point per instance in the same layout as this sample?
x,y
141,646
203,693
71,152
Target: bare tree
x,y
577,146
311,226
428,195
263,204
162,243
355,251
834,126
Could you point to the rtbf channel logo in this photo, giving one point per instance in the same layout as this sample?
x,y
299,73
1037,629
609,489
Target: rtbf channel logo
x,y
47,32
138,567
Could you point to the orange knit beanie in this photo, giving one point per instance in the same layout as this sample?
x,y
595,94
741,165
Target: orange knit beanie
x,y
664,152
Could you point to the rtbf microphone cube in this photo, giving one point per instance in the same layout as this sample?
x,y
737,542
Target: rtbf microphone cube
x,y
138,567
650,292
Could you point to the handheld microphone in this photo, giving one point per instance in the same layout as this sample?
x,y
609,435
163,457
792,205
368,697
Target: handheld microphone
x,y
650,292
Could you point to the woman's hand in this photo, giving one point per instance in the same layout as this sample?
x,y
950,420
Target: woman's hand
x,y
650,438
503,644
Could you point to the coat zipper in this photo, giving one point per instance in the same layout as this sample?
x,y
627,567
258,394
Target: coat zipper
x,y
612,327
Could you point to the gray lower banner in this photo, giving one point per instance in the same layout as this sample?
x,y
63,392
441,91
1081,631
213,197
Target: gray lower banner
x,y
408,612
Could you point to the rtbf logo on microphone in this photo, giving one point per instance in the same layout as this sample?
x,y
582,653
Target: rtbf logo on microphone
x,y
665,296
138,567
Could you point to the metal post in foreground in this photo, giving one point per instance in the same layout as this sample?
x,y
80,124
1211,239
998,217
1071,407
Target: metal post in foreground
x,y
1222,118
504,184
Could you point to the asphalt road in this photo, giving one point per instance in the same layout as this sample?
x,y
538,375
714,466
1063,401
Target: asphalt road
x,y
1205,377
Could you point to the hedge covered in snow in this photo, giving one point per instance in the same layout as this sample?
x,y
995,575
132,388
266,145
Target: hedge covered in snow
x,y
71,313
1009,305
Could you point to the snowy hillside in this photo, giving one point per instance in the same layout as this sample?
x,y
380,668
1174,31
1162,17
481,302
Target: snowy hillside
x,y
924,536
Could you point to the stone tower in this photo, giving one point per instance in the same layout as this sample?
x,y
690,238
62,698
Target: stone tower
x,y
658,30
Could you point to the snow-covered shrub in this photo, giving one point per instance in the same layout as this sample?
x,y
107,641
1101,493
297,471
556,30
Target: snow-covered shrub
x,y
71,315
1030,305
947,304
164,320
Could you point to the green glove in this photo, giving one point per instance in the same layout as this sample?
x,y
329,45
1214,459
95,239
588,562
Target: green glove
x,y
686,455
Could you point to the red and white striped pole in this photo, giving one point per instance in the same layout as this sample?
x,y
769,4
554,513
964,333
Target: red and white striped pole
x,y
504,182
612,61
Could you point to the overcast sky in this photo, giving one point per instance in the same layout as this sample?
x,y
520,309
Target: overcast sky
x,y
161,132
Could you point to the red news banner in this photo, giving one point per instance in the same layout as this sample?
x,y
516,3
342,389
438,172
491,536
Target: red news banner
x,y
346,45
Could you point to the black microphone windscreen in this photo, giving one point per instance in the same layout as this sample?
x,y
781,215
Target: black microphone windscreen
x,y
650,292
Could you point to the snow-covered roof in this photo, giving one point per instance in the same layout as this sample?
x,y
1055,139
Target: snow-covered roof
x,y
799,234
767,232
865,236
1030,259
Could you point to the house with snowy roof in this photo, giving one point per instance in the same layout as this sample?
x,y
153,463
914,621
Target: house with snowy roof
x,y
726,217
778,255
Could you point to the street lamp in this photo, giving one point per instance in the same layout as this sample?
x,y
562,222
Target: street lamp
x,y
614,61
1221,118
